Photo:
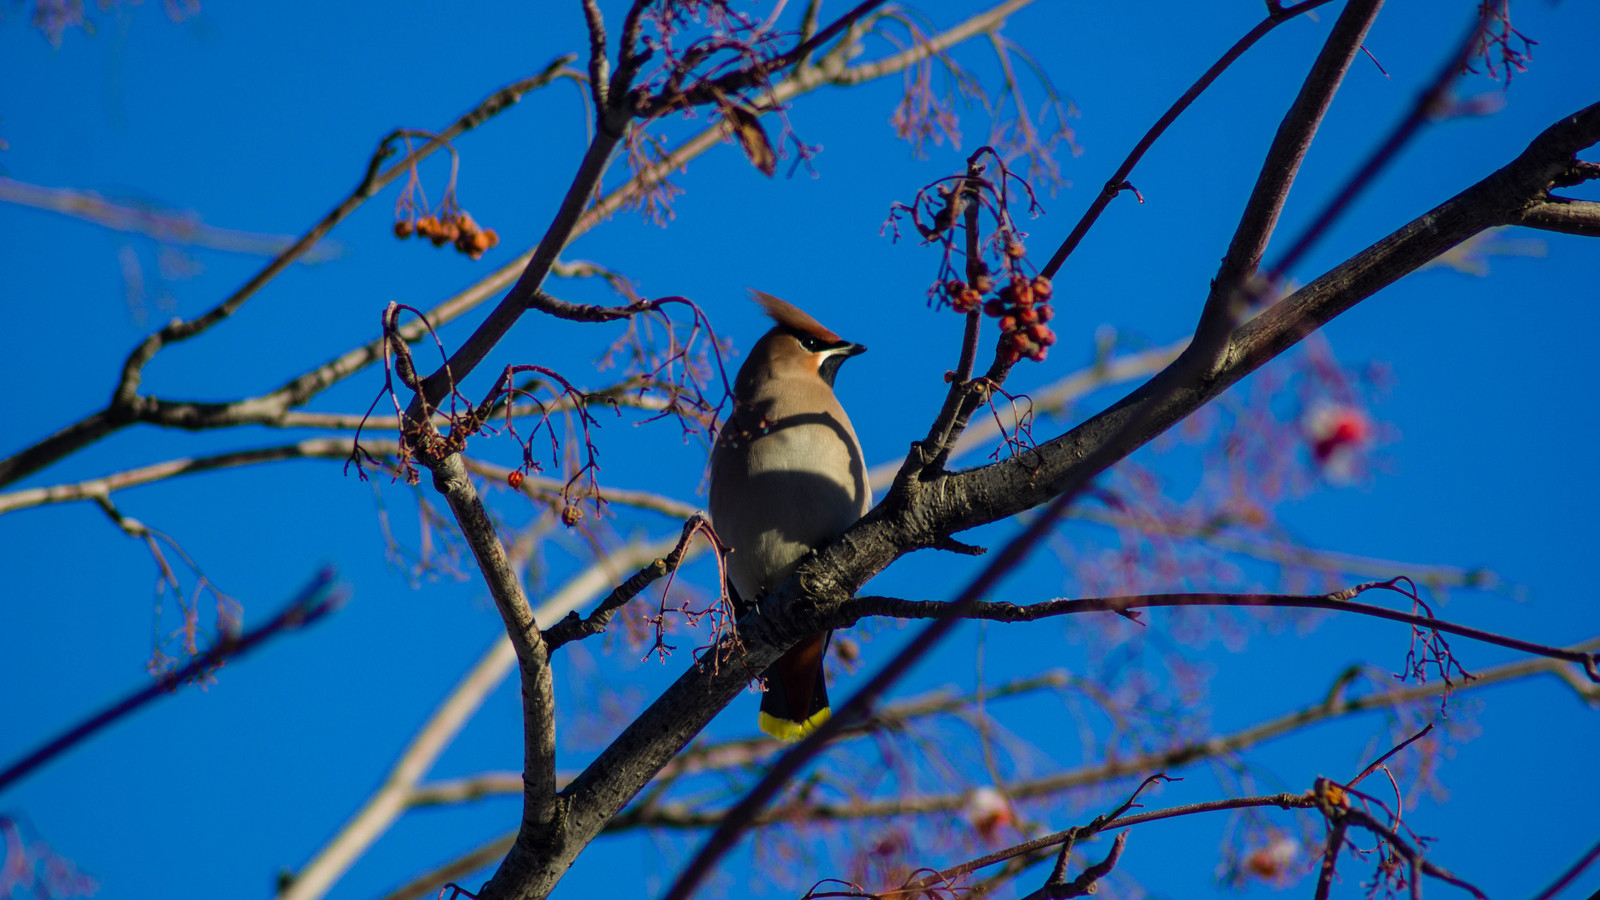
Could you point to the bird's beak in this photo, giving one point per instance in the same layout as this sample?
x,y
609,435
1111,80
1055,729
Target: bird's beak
x,y
850,350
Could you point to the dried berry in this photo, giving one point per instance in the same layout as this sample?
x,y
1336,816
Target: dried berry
x,y
1041,287
1015,250
404,229
571,515
994,308
514,479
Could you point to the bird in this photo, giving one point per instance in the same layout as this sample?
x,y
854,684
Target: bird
x,y
787,477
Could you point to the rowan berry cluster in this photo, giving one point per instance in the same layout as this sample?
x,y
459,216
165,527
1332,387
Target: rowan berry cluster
x,y
452,227
1022,307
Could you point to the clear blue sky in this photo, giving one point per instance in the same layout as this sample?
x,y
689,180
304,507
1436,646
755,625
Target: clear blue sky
x,y
259,117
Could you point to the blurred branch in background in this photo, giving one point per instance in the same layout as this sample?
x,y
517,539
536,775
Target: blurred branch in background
x,y
160,223
319,598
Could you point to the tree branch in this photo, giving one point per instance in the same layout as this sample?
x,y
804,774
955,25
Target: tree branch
x,y
400,788
1427,105
316,600
853,611
314,448
126,406
966,499
165,226
1227,301
1119,180
1580,217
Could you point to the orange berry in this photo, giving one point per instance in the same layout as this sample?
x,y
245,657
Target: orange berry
x,y
983,284
403,229
1041,287
514,479
1021,290
954,288
1008,324
492,237
1045,311
1015,250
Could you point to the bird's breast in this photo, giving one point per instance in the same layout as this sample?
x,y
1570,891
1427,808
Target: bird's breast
x,y
781,488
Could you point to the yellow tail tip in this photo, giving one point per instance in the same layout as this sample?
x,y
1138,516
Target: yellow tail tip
x,y
790,730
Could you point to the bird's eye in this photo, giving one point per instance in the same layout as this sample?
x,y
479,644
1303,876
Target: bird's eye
x,y
813,344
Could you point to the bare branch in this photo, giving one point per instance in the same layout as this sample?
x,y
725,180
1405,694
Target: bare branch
x,y
1427,104
1227,302
852,611
125,407
337,449
400,788
1118,182
1282,801
167,226
316,600
1570,875
599,62
1580,217
575,628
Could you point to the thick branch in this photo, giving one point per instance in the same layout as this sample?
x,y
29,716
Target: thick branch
x,y
1227,301
539,808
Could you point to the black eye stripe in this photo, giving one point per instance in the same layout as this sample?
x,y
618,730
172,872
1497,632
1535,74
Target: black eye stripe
x,y
814,344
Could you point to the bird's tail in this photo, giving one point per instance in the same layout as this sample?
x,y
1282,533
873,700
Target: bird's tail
x,y
796,701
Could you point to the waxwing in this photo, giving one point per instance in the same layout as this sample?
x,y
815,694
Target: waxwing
x,y
787,477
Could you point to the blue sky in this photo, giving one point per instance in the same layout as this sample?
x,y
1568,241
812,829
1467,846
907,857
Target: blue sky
x,y
260,118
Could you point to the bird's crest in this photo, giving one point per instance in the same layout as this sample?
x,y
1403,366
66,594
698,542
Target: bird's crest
x,y
787,314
